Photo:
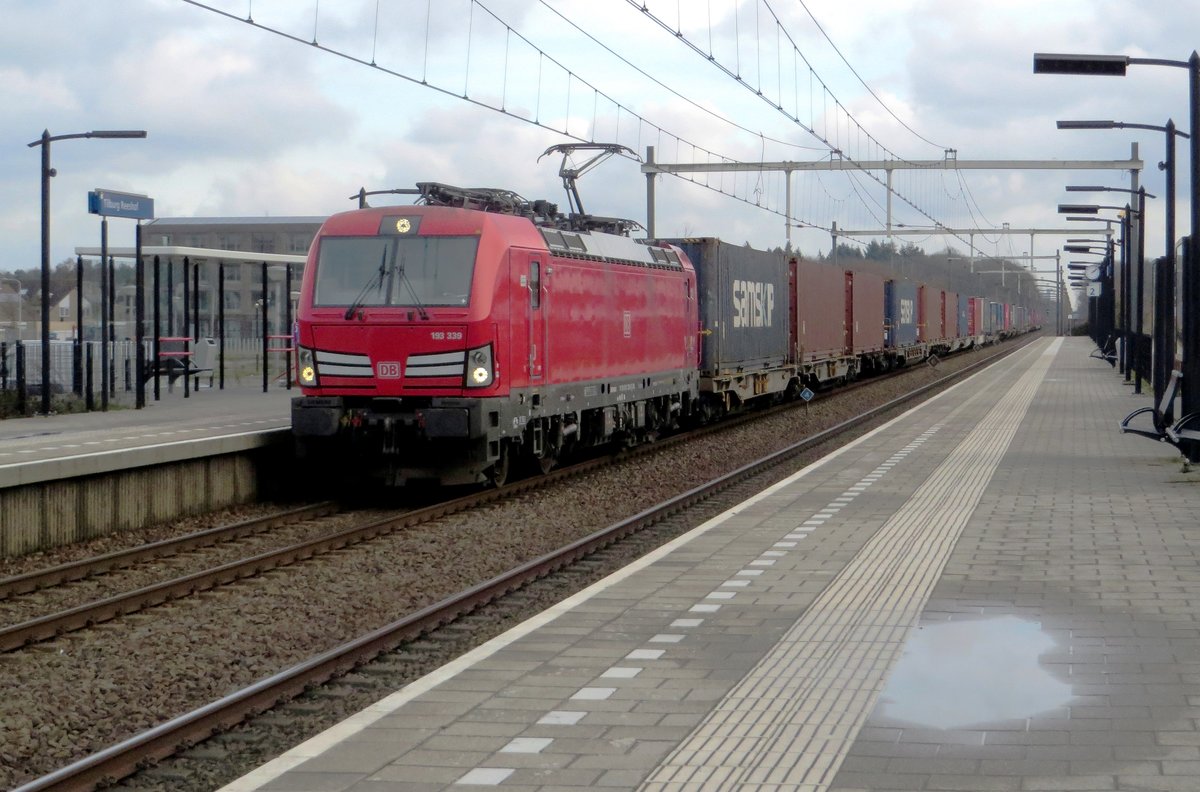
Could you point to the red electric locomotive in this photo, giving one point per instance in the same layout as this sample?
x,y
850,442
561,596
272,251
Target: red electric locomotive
x,y
450,340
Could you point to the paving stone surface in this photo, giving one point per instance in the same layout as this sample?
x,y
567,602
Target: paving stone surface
x,y
995,591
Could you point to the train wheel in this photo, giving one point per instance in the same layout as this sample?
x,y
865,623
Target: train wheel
x,y
545,446
498,476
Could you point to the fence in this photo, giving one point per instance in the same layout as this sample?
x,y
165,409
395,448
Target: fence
x,y
76,369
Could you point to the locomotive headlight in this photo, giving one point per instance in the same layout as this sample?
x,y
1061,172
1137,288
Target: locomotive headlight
x,y
307,365
480,372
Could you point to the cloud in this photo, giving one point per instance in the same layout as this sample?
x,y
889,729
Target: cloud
x,y
246,121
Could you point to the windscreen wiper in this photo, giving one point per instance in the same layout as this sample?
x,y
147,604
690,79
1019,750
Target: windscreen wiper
x,y
376,279
411,291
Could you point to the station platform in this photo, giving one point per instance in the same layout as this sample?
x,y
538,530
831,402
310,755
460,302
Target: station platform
x,y
994,591
208,421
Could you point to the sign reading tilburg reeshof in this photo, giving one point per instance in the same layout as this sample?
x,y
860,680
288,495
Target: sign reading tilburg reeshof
x,y
110,203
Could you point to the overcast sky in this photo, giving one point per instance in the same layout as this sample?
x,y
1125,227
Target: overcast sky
x,y
245,122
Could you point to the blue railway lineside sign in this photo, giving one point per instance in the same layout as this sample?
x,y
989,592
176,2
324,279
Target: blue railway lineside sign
x,y
117,204
807,395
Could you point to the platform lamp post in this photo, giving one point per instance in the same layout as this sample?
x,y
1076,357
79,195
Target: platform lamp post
x,y
1132,291
1164,275
1156,348
1130,258
1188,300
47,172
1167,165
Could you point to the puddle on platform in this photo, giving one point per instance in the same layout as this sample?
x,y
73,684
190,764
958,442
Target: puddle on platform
x,y
962,673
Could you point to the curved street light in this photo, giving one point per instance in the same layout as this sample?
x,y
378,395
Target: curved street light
x,y
44,141
1164,281
1132,320
1188,300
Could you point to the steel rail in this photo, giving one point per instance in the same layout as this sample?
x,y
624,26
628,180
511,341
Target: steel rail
x,y
78,570
126,757
53,625
86,615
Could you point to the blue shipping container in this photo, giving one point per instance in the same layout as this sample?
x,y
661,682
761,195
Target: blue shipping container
x,y
995,317
900,300
964,315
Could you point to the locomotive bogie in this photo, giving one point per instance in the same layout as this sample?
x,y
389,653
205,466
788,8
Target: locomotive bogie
x,y
459,441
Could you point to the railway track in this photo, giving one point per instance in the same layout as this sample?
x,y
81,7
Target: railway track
x,y
60,622
162,740
45,626
120,559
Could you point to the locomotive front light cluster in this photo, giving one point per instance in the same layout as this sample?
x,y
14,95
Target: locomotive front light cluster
x,y
480,372
307,366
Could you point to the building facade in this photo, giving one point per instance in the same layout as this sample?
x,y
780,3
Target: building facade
x,y
246,238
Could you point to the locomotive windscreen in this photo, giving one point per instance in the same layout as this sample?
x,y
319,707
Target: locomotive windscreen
x,y
417,271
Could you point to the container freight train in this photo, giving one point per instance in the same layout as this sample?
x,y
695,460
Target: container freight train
x,y
457,339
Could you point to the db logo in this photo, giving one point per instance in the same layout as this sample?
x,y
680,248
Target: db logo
x,y
387,370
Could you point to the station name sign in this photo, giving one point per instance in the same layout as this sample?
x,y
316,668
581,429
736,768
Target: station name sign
x,y
117,204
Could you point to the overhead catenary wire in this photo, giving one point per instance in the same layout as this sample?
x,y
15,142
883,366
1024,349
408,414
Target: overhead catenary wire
x,y
669,89
832,141
558,85
424,80
833,145
857,76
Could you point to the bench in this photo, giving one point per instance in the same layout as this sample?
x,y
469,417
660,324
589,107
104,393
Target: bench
x,y
1185,431
181,357
173,369
1107,352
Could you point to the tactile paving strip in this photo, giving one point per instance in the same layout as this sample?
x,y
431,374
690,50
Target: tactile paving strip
x,y
790,722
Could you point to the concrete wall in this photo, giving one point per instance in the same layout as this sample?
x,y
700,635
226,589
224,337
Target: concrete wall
x,y
39,515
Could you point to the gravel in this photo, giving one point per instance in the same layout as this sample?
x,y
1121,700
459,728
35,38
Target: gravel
x,y
67,698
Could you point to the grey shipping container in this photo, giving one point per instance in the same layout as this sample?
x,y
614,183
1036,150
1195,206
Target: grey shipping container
x,y
900,299
964,316
744,305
